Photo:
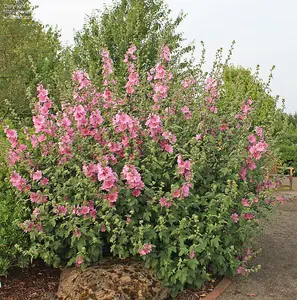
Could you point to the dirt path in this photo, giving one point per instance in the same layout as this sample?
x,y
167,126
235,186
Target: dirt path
x,y
277,279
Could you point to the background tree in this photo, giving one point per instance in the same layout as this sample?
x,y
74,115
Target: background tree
x,y
287,143
28,55
251,86
147,24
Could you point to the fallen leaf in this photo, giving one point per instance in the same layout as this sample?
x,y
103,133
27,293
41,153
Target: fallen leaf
x,y
251,295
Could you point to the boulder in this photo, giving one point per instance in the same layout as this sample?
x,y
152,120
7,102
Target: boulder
x,y
111,279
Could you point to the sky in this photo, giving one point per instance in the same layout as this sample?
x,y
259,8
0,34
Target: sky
x,y
264,31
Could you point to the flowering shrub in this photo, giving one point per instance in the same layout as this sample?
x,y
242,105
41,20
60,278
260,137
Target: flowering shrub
x,y
153,171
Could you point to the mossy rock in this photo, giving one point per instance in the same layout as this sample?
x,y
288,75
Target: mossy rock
x,y
111,279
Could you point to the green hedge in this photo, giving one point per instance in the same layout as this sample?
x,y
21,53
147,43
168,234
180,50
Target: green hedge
x,y
13,242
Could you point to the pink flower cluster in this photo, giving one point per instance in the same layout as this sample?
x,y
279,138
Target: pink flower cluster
x,y
188,82
145,249
161,78
133,79
192,255
107,176
256,149
18,182
187,113
107,64
123,122
165,202
29,226
86,210
165,138
133,179
213,94
165,53
245,109
12,136
184,167
37,198
17,151
81,78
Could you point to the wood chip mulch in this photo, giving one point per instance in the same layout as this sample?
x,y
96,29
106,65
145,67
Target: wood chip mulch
x,y
38,282
194,294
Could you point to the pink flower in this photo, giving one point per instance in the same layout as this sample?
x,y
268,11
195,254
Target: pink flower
x,y
235,218
248,216
112,197
42,94
93,213
28,226
39,123
280,200
96,118
37,198
44,181
90,170
84,210
146,249
259,131
186,111
261,146
252,139
198,137
245,202
37,175
242,174
239,270
250,164
166,53
136,193
35,212
103,228
108,177
184,167
168,148
187,82
176,193
185,189
164,202
160,72
79,261
77,233
245,109
12,136
62,209
192,255
224,127
17,181
154,122
132,177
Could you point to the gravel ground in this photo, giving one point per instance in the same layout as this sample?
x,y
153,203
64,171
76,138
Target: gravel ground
x,y
277,278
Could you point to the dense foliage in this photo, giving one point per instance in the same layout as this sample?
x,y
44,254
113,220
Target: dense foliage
x,y
13,241
154,171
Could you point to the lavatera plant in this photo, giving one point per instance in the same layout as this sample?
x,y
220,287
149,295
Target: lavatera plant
x,y
153,171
